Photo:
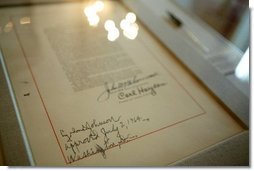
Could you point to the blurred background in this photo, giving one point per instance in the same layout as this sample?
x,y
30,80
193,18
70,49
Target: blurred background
x,y
229,17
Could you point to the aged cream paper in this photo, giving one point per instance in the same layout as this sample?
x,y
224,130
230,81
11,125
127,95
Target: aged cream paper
x,y
88,101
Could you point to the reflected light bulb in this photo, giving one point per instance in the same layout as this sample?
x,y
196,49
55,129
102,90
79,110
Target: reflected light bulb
x,y
130,33
93,20
131,17
109,25
135,26
99,5
89,11
113,34
124,24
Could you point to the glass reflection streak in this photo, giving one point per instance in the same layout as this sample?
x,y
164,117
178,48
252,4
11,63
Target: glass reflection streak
x,y
8,27
242,69
25,20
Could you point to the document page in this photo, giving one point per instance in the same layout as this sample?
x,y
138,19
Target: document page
x,y
95,88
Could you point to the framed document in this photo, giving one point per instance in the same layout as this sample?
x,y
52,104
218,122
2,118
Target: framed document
x,y
93,87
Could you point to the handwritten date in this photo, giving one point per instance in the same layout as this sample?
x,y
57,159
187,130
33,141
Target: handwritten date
x,y
98,136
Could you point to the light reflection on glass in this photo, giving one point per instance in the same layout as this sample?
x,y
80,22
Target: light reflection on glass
x,y
91,13
124,24
113,34
129,26
8,27
99,6
113,31
109,24
131,32
242,69
25,20
94,20
131,17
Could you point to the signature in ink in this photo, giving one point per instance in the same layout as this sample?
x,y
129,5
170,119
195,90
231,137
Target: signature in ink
x,y
140,91
119,86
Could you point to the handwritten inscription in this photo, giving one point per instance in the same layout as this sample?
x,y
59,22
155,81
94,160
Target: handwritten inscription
x,y
140,91
96,136
121,86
